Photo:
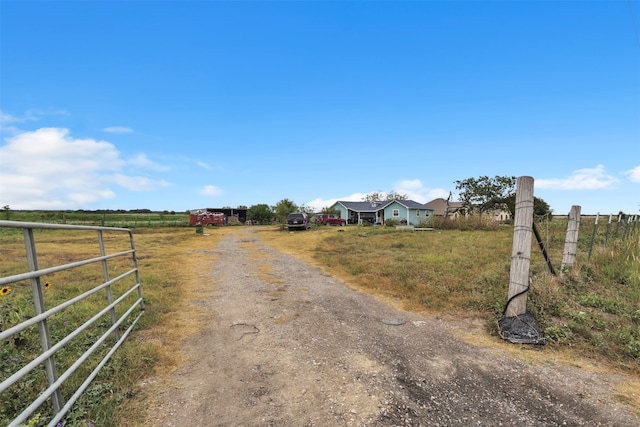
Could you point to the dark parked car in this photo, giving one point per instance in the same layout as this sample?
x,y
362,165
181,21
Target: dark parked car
x,y
298,221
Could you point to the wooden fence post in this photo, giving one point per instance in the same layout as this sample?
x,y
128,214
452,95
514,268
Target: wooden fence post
x,y
625,233
593,235
571,241
617,225
521,253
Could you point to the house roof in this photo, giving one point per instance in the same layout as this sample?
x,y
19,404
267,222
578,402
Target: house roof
x,y
363,206
439,205
410,204
371,207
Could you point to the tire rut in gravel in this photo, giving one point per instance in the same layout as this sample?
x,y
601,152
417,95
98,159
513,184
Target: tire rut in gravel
x,y
287,345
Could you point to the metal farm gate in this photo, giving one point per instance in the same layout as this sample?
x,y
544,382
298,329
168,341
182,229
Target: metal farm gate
x,y
119,300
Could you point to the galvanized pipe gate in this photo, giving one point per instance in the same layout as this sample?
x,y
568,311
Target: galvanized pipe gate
x,y
46,358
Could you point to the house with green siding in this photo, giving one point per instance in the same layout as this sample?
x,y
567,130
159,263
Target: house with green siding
x,y
405,211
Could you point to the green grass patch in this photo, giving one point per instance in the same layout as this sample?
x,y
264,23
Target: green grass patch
x,y
106,219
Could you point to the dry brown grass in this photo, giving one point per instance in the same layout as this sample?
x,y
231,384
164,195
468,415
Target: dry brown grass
x,y
376,260
305,245
176,263
179,267
176,257
465,271
172,264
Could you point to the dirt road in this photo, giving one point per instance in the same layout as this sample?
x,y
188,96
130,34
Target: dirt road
x,y
287,345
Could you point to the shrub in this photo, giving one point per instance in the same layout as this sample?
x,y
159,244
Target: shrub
x,y
608,305
466,223
558,334
426,223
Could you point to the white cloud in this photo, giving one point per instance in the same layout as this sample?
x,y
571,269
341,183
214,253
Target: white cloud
x,y
48,169
11,130
30,115
138,183
8,118
141,160
203,165
581,179
210,190
83,198
50,152
318,204
410,184
8,121
415,190
117,129
633,174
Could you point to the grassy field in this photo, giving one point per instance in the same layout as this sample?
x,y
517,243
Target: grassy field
x,y
110,219
593,312
168,262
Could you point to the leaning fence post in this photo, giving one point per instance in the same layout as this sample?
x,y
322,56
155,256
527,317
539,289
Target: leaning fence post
x,y
625,232
617,226
631,224
606,238
571,241
521,253
543,248
593,235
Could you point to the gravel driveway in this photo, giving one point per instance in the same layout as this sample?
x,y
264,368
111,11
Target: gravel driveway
x,y
287,345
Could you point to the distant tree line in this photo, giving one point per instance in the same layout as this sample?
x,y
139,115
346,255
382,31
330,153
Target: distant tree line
x,y
477,195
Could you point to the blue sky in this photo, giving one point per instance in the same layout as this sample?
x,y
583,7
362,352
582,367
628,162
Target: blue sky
x,y
176,105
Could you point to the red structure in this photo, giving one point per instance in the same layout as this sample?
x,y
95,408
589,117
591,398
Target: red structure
x,y
205,217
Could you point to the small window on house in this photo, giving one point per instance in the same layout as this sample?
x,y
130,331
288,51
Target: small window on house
x,y
417,213
396,212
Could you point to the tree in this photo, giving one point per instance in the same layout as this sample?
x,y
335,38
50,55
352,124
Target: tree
x,y
484,194
393,195
540,207
306,209
283,208
330,211
7,212
377,196
261,213
374,196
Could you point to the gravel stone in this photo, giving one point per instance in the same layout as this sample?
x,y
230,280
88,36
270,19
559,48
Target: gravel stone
x,y
300,348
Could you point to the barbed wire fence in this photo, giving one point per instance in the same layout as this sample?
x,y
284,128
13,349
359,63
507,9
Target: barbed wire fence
x,y
624,228
599,231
